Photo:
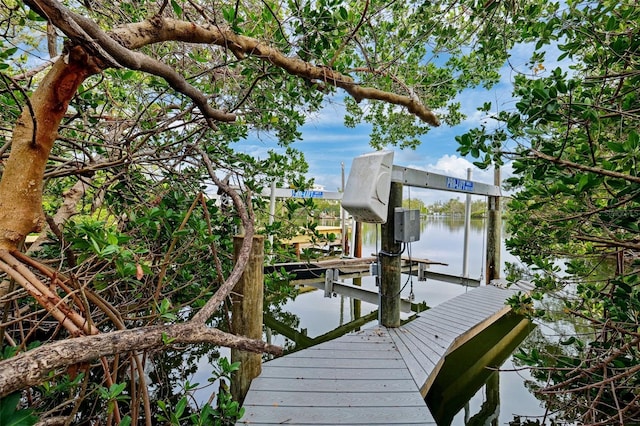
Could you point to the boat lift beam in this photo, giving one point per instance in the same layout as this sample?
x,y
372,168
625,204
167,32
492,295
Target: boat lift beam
x,y
421,179
332,284
423,274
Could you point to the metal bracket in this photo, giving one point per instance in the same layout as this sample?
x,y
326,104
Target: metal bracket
x,y
330,276
422,271
333,285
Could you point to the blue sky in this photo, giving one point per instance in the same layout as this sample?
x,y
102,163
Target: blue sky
x,y
326,142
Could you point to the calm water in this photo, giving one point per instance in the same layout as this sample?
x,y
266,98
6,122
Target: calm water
x,y
441,240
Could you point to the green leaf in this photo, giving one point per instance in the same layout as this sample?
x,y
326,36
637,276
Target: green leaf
x,y
34,17
166,340
110,249
633,141
616,147
12,416
116,389
8,52
180,406
540,93
177,9
228,13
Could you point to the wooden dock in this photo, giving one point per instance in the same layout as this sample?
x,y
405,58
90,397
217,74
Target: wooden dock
x,y
378,376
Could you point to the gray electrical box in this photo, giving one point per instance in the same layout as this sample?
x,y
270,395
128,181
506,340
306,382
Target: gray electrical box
x,y
407,225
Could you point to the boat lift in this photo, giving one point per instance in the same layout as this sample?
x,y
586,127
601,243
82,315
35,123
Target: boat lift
x,y
366,197
370,197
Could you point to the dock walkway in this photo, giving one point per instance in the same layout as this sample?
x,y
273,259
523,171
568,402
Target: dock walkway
x,y
378,376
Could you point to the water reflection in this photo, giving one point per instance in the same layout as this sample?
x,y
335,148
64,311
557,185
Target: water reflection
x,y
474,365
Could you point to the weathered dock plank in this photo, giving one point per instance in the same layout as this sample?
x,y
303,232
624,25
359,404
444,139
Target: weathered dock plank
x,y
344,385
338,363
333,384
433,331
417,367
378,353
375,376
319,399
424,342
371,415
425,351
337,373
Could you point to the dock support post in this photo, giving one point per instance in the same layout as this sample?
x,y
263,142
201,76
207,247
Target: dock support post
x,y
467,231
390,264
343,220
494,237
357,243
272,214
246,314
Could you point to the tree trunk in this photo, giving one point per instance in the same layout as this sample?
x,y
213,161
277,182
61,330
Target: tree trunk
x,y
33,137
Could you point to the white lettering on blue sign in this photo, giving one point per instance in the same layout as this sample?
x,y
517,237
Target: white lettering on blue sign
x,y
306,194
459,184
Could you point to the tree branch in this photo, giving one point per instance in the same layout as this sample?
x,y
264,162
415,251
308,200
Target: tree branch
x,y
60,16
30,368
86,32
159,29
115,48
585,168
245,250
609,242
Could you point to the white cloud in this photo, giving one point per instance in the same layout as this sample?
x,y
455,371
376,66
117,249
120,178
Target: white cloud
x,y
452,165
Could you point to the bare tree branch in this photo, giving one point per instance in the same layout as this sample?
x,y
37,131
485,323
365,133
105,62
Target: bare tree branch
x,y
30,368
245,250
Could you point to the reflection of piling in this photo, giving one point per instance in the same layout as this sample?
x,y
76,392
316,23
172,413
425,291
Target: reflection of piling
x,y
247,315
390,264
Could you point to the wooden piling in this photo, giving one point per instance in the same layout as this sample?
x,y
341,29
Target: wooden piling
x,y
247,315
357,246
390,264
494,237
357,252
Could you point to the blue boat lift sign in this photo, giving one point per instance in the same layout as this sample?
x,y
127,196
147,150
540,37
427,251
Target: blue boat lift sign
x,y
456,184
310,193
306,194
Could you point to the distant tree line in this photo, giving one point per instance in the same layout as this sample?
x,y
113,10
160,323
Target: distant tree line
x,y
455,207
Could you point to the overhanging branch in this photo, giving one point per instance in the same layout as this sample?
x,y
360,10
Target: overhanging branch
x,y
117,49
585,168
29,368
